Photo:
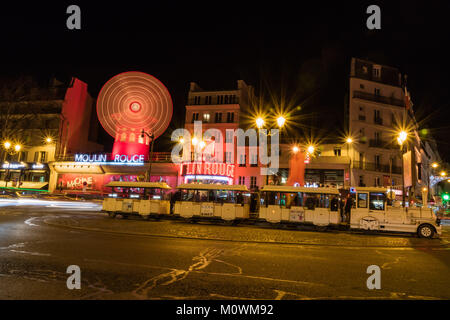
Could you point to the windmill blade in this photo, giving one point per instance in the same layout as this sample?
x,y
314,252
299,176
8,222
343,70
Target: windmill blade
x,y
134,101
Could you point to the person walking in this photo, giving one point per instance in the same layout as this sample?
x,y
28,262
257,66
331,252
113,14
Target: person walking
x,y
348,207
334,204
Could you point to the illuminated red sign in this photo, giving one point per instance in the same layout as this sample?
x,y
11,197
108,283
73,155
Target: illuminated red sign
x,y
210,169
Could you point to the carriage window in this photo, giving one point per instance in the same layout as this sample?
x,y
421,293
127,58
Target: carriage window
x,y
311,200
362,200
377,201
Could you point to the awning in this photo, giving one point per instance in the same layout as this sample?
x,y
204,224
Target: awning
x,y
24,184
202,186
292,189
132,184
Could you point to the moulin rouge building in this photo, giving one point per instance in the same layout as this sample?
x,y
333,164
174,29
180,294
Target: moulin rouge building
x,y
216,109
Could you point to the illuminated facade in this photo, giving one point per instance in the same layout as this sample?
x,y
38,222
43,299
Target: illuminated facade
x,y
378,110
42,124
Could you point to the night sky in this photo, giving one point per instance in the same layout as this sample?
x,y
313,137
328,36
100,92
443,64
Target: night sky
x,y
303,51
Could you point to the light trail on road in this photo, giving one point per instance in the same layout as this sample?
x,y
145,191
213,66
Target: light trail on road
x,y
50,204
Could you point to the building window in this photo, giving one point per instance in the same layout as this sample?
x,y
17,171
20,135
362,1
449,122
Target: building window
x,y
377,162
242,160
206,117
218,117
194,116
361,181
43,156
377,117
36,156
377,91
376,72
254,160
197,100
229,134
377,181
228,157
241,180
230,117
252,182
361,86
337,151
377,136
23,156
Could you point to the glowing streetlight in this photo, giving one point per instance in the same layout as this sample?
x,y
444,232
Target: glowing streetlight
x,y
194,141
281,121
295,149
181,140
435,165
402,136
424,189
202,144
259,122
311,149
349,140
7,145
443,173
17,147
48,139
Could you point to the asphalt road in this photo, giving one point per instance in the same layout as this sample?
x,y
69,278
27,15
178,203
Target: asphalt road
x,y
35,253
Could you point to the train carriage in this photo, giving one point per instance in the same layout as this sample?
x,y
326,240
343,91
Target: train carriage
x,y
280,204
146,199
212,201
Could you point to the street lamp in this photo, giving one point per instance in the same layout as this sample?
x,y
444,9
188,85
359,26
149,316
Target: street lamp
x,y
152,138
349,141
8,150
402,136
295,149
311,149
281,121
259,122
443,173
435,165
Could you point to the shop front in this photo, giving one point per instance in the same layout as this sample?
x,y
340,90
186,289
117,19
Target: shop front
x,y
90,173
24,175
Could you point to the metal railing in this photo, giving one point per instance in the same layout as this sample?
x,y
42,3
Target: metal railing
x,y
372,166
377,98
377,143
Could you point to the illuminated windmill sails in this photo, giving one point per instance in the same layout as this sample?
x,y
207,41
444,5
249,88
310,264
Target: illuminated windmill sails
x,y
129,103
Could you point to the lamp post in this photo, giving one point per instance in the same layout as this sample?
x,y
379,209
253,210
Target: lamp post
x,y
260,122
151,137
402,136
349,141
8,150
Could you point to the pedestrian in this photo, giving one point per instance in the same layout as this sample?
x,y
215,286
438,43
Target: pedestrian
x,y
348,207
334,204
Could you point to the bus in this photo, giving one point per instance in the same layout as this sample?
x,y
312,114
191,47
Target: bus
x,y
146,199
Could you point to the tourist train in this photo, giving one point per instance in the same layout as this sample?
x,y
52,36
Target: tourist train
x,y
370,208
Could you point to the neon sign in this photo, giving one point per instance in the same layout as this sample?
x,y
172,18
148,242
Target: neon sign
x,y
210,169
137,158
119,159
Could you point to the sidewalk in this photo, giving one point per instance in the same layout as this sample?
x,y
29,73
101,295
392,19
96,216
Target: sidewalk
x,y
263,234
